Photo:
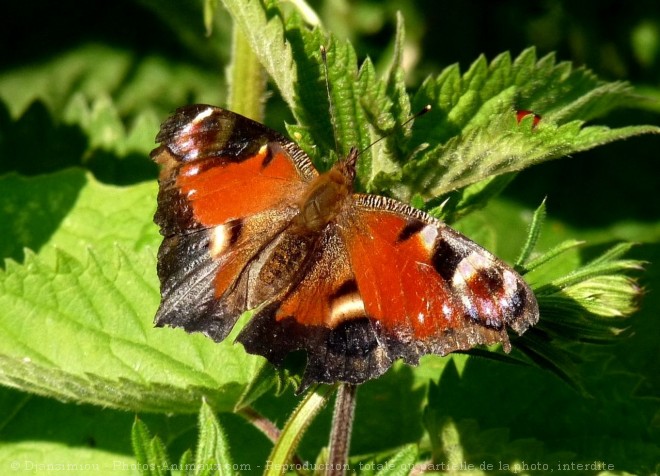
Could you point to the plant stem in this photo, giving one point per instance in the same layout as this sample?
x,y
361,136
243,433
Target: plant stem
x,y
295,428
342,424
266,426
261,423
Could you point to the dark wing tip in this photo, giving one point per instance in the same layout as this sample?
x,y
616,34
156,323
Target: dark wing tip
x,y
181,117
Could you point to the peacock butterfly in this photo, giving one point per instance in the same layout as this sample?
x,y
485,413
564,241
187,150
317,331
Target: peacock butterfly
x,y
357,281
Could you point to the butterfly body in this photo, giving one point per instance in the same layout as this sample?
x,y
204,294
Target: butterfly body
x,y
328,194
357,281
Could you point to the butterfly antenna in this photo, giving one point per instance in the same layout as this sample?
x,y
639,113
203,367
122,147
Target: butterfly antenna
x,y
419,113
333,118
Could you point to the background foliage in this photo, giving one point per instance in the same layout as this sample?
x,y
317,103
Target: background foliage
x,y
83,87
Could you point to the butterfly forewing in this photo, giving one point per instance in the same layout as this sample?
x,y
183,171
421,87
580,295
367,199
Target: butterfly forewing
x,y
428,286
226,187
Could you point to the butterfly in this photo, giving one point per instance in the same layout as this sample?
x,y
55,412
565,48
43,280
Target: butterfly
x,y
356,281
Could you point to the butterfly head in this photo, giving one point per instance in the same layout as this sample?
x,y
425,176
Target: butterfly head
x,y
347,166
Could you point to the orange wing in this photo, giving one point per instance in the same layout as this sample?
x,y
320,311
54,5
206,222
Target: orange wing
x,y
431,289
218,166
228,187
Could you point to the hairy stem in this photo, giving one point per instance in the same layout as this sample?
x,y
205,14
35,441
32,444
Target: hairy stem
x,y
295,428
342,424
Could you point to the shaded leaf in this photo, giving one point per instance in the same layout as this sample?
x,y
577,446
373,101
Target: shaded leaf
x,y
94,70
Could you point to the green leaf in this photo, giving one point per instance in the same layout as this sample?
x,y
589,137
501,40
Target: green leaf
x,y
579,302
395,79
31,210
532,235
93,70
150,452
606,265
213,446
186,461
140,439
264,379
503,146
211,456
265,34
388,109
43,458
471,198
473,125
296,68
69,210
574,307
302,84
331,118
473,130
553,253
87,304
401,463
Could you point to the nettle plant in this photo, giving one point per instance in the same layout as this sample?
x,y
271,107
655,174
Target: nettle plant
x,y
87,297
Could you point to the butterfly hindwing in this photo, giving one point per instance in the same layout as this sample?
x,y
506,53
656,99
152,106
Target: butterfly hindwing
x,y
322,314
